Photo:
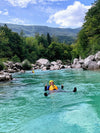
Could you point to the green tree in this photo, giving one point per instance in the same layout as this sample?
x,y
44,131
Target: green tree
x,y
88,41
48,39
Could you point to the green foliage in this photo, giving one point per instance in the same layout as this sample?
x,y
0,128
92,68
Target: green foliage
x,y
26,65
89,37
18,48
1,66
15,58
59,51
48,39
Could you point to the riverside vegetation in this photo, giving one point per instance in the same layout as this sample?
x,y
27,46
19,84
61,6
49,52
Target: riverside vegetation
x,y
16,48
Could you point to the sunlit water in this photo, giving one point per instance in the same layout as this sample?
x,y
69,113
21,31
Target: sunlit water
x,y
25,109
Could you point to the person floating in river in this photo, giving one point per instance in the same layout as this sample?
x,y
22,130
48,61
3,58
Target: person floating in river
x,y
52,86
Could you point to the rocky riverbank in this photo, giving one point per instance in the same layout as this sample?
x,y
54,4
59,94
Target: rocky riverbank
x,y
92,62
10,67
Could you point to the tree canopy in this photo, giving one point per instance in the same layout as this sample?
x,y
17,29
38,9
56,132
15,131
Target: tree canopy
x,y
89,37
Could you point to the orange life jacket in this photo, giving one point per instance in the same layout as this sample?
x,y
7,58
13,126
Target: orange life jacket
x,y
53,87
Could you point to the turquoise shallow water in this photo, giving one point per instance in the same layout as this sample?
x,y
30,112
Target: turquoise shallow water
x,y
24,109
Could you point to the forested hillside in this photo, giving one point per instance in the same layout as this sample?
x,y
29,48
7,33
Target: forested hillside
x,y
89,37
67,35
16,47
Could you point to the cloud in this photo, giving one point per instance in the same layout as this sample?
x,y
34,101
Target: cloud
x,y
5,12
72,16
0,12
24,3
17,21
21,3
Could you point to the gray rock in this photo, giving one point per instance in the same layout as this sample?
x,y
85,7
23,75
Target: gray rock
x,y
42,62
97,56
75,61
81,61
44,68
93,65
18,65
5,77
98,63
53,63
59,62
78,65
11,71
55,67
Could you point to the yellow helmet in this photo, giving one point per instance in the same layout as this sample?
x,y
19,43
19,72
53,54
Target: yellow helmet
x,y
50,81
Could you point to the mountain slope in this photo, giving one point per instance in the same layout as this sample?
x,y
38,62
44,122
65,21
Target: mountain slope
x,y
32,30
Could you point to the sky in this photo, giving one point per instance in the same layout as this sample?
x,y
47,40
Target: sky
x,y
52,13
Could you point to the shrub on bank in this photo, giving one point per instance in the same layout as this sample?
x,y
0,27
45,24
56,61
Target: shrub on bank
x,y
26,65
15,58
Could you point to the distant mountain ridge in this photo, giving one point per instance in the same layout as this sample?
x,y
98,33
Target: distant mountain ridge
x,y
31,30
66,35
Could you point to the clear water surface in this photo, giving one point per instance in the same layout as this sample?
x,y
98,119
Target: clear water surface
x,y
24,109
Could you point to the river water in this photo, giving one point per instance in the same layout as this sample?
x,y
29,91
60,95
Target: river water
x,y
25,109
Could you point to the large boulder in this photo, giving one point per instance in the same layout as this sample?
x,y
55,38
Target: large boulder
x,y
88,60
53,63
59,62
5,76
97,56
93,65
55,67
18,65
76,63
42,61
10,64
98,63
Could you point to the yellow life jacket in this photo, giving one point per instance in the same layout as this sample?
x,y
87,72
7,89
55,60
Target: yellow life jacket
x,y
53,87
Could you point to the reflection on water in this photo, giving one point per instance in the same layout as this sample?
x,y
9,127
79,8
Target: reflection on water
x,y
24,109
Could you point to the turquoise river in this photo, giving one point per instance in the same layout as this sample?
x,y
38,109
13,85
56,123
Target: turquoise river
x,y
25,109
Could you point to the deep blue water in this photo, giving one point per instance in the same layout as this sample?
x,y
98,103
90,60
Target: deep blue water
x,y
24,108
